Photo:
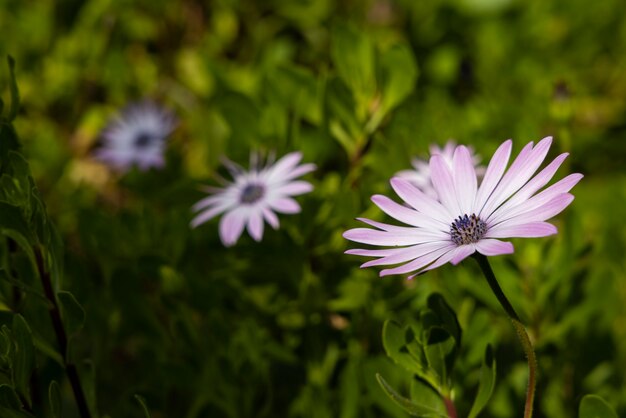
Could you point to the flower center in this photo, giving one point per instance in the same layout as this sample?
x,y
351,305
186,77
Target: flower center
x,y
143,139
467,229
251,193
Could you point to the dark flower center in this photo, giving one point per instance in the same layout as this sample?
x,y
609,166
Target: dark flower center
x,y
467,229
251,193
144,139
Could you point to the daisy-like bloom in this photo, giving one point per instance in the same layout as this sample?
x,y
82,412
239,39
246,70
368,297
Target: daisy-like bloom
x,y
254,196
137,137
420,175
466,217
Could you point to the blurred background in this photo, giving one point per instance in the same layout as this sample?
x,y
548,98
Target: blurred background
x,y
291,327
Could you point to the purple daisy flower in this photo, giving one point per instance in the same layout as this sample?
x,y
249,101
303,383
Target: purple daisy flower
x,y
137,137
254,196
420,175
466,217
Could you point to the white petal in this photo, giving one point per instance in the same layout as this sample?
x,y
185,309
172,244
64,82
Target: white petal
x,y
494,247
421,202
462,252
208,201
283,166
284,205
492,177
518,174
525,230
255,225
537,182
209,214
293,189
464,177
542,213
271,218
231,226
374,237
444,184
402,255
420,262
407,215
562,186
298,171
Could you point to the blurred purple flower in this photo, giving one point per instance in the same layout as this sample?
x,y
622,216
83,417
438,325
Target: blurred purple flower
x,y
137,137
466,217
254,196
420,175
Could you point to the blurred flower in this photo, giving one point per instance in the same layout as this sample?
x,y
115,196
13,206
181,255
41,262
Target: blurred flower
x,y
137,137
420,176
466,218
254,196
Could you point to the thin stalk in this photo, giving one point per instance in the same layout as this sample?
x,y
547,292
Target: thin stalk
x,y
450,409
519,329
59,330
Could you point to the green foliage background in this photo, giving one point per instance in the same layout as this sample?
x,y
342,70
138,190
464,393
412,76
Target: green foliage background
x,y
291,327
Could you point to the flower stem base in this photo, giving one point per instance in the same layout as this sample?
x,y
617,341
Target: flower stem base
x,y
519,329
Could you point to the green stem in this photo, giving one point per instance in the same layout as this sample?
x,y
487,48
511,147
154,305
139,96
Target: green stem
x,y
59,330
519,329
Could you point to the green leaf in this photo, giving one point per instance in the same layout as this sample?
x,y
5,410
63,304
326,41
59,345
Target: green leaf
x,y
72,312
593,406
440,351
88,379
54,397
13,225
12,193
343,124
15,94
142,403
24,356
8,398
297,87
351,382
395,344
12,413
46,348
352,53
22,286
423,393
446,316
399,74
487,383
16,183
412,408
6,345
8,140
